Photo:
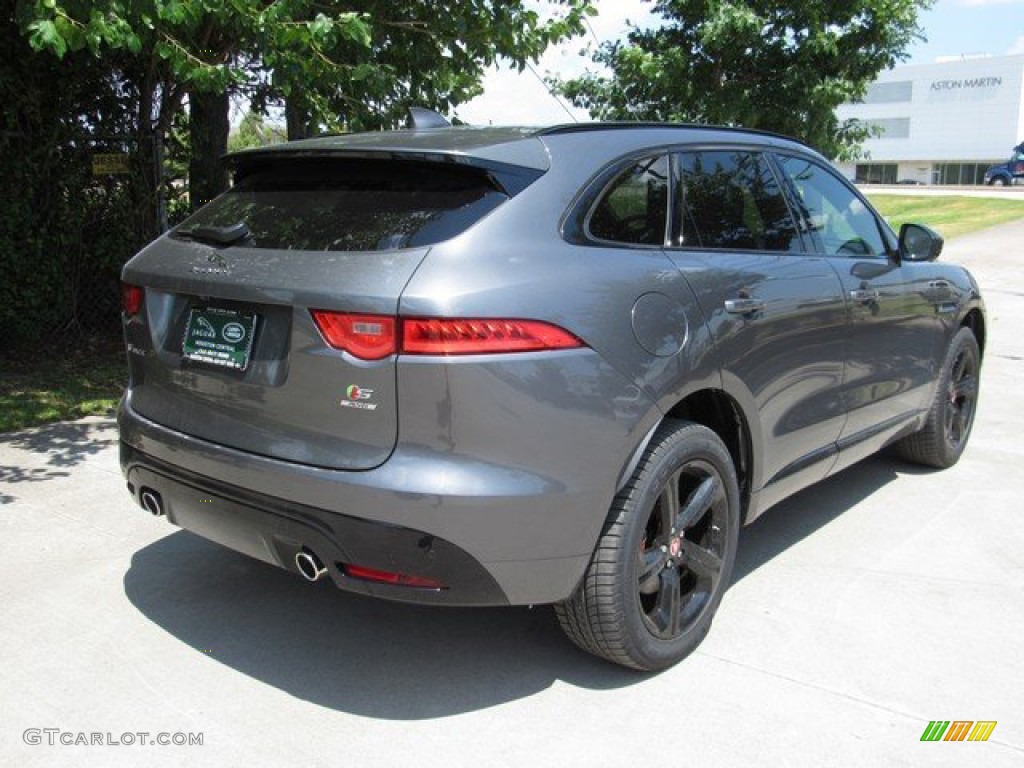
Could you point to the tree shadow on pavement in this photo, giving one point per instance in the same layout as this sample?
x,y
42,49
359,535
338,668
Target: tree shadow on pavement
x,y
393,661
63,445
50,452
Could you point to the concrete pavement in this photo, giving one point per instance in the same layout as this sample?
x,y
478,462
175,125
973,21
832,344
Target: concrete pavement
x,y
861,610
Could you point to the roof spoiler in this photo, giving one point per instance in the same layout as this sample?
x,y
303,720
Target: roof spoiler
x,y
421,119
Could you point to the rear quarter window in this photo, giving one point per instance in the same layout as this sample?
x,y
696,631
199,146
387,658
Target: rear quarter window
x,y
350,205
633,209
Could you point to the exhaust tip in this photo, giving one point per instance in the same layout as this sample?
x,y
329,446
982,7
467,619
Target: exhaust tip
x,y
309,566
151,502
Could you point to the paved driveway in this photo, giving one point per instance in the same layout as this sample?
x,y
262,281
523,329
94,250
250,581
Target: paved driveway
x,y
861,610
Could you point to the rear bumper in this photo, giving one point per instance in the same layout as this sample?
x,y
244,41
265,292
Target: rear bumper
x,y
492,535
275,531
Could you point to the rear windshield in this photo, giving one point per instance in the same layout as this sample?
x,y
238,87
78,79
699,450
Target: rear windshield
x,y
350,205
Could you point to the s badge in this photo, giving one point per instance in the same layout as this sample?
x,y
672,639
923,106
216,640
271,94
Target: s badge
x,y
358,397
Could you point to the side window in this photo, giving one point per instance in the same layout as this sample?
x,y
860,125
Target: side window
x,y
634,207
732,200
839,223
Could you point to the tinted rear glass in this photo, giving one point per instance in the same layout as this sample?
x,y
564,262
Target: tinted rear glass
x,y
634,208
732,201
350,205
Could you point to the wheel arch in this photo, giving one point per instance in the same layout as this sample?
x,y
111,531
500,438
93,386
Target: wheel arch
x,y
975,320
723,415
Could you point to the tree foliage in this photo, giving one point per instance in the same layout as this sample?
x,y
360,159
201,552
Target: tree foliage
x,y
337,65
64,233
255,131
79,77
768,64
351,64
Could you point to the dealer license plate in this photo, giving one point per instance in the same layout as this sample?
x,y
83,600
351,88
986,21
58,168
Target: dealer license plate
x,y
221,337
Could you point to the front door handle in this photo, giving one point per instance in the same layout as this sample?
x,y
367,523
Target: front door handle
x,y
744,306
864,295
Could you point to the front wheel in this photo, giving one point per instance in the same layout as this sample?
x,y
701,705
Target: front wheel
x,y
942,440
997,181
665,557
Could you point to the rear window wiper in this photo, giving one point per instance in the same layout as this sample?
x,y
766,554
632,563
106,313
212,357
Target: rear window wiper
x,y
227,235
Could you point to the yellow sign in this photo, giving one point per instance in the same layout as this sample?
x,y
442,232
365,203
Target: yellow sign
x,y
106,164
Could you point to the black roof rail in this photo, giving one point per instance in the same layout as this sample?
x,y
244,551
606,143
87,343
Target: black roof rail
x,y
555,130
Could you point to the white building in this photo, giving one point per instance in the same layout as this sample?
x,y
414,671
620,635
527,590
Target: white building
x,y
942,123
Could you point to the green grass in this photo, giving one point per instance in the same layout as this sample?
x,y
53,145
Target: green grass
x,y
951,216
60,381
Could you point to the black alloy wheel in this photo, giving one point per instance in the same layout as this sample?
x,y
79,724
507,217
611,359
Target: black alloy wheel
x,y
680,560
665,557
947,427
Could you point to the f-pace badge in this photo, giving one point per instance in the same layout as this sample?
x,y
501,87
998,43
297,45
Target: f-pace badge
x,y
217,266
358,397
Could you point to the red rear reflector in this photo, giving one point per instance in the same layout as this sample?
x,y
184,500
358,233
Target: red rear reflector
x,y
131,298
475,337
370,337
390,577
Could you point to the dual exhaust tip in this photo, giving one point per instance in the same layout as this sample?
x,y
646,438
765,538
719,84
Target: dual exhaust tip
x,y
309,565
151,502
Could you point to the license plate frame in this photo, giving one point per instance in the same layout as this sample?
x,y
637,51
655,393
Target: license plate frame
x,y
219,337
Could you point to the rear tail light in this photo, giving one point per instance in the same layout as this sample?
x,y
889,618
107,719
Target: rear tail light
x,y
374,337
390,577
482,337
369,337
131,298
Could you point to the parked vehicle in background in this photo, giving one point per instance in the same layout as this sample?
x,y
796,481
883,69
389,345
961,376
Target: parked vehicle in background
x,y
494,366
1010,172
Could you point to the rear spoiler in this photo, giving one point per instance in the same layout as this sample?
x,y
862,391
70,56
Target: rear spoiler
x,y
511,179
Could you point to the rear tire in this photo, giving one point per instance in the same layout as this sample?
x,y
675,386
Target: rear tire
x,y
942,440
665,557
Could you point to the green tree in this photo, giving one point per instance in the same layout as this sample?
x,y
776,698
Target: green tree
x,y
255,131
168,49
64,232
420,52
336,64
775,65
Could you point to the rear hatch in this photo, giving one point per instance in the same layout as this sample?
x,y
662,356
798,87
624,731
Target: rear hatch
x,y
225,346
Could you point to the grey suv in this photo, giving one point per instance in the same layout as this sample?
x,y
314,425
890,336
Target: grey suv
x,y
503,366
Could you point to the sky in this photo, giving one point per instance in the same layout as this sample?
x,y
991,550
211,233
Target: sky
x,y
952,28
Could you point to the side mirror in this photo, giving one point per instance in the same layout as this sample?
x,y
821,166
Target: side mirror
x,y
919,243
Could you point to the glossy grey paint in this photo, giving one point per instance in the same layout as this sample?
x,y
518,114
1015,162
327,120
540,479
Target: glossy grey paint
x,y
286,404
516,458
783,364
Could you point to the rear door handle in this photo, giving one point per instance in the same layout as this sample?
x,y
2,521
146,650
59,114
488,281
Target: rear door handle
x,y
744,306
864,295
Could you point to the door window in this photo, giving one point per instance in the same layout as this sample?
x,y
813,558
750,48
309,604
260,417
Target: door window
x,y
731,200
838,221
